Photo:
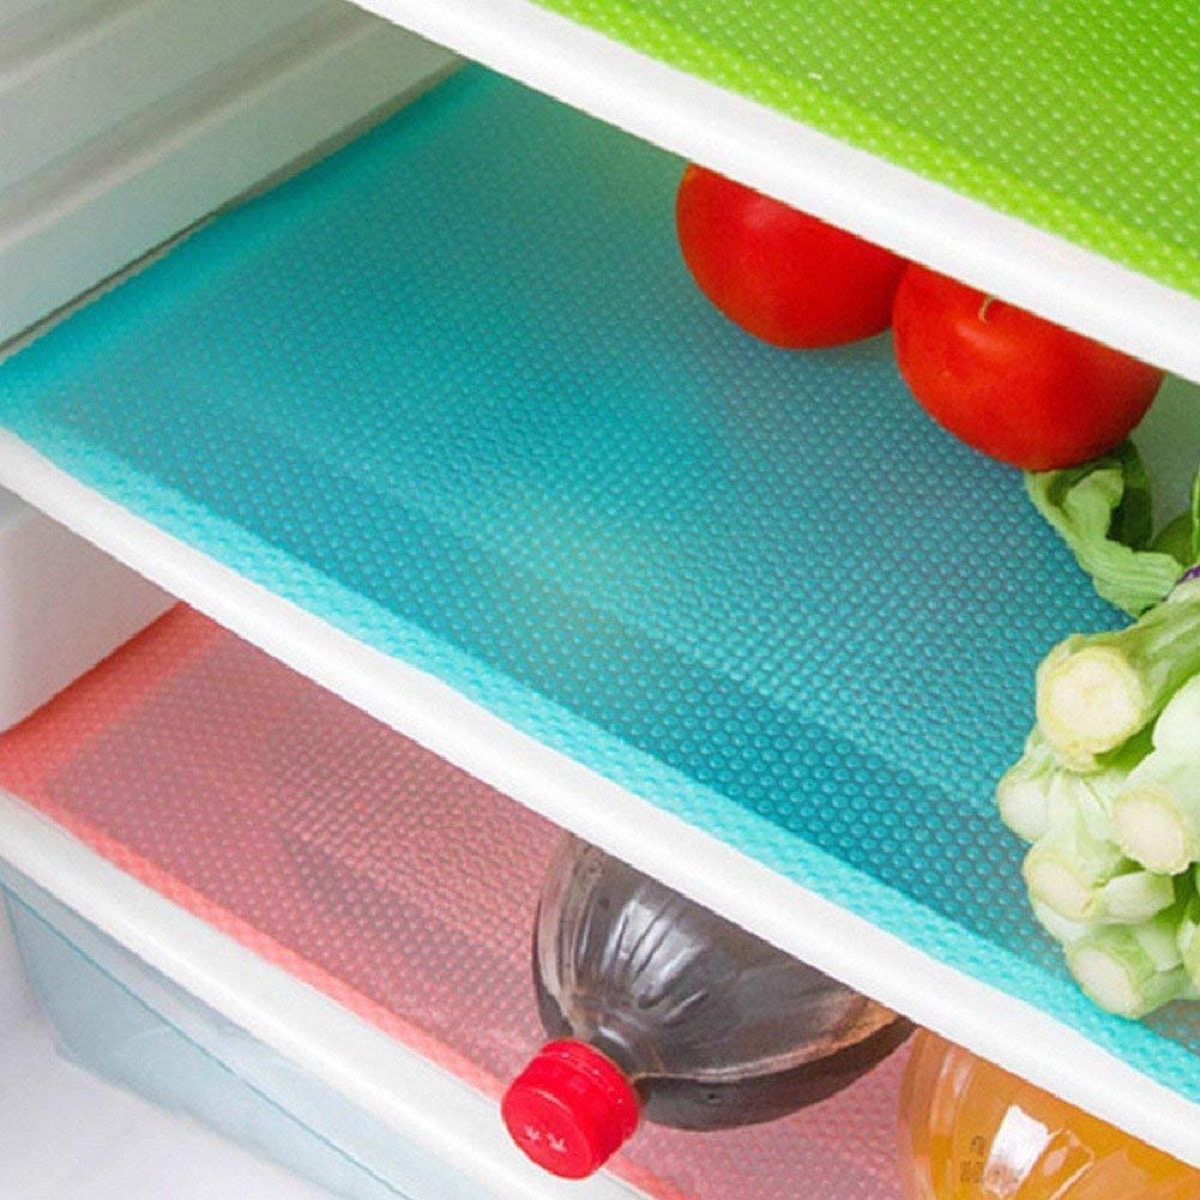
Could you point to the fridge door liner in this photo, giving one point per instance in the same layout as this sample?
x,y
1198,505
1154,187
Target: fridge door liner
x,y
444,424
367,868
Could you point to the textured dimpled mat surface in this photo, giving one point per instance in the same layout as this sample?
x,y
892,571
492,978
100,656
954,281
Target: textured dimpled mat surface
x,y
453,392
1082,117
376,872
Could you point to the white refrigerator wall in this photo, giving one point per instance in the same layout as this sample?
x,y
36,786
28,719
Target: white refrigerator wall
x,y
127,121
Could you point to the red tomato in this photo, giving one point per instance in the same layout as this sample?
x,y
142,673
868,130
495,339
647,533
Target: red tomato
x,y
781,275
1013,385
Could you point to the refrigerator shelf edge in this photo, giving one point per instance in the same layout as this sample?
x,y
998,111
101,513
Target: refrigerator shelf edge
x,y
475,456
64,606
660,78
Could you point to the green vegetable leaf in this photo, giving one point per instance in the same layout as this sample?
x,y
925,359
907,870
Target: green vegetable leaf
x,y
1194,557
1177,538
1103,511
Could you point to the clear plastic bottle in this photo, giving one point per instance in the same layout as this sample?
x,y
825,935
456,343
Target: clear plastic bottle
x,y
970,1131
664,1010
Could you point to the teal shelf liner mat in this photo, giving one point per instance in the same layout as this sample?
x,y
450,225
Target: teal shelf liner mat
x,y
453,392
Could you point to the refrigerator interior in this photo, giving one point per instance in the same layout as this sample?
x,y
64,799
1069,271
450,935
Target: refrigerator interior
x,y
128,122
1044,156
439,426
477,457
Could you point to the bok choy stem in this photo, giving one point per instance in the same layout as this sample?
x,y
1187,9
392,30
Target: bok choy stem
x,y
1096,692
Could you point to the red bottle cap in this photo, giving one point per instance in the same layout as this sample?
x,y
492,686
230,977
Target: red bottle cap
x,y
570,1109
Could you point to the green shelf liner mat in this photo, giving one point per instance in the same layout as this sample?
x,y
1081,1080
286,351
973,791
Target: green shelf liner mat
x,y
1082,118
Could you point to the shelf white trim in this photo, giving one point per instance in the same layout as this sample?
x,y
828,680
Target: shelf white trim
x,y
993,1024
896,207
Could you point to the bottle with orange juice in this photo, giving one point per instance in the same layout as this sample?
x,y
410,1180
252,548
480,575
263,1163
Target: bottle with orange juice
x,y
970,1131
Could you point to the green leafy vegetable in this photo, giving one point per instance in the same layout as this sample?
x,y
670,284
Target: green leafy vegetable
x,y
1135,969
1156,817
1107,792
1187,936
1177,730
1103,511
